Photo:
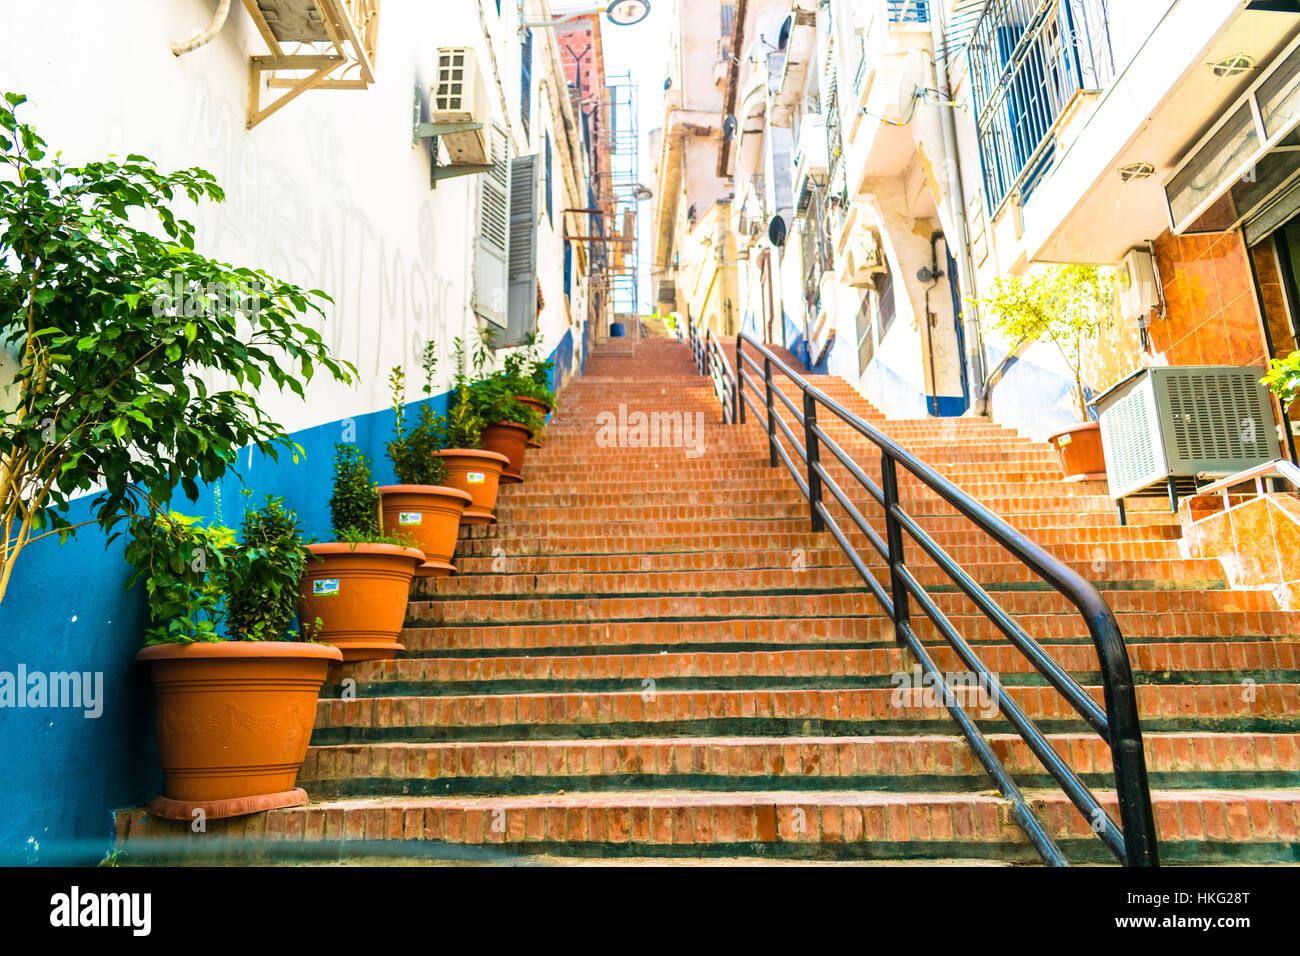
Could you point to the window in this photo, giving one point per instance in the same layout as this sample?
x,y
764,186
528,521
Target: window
x,y
866,330
1027,62
526,83
728,20
550,203
568,268
884,292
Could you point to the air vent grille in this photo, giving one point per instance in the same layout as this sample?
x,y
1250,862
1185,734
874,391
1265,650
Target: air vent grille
x,y
450,94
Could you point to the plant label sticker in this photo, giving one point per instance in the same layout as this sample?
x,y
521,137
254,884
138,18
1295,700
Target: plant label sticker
x,y
1064,440
476,477
410,517
325,587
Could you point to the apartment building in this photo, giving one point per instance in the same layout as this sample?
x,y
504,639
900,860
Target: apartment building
x,y
893,158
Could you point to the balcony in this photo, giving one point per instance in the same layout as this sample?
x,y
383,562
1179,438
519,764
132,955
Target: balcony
x,y
1029,60
909,11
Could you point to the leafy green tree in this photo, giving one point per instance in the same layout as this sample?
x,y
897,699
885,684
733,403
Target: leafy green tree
x,y
138,358
1064,305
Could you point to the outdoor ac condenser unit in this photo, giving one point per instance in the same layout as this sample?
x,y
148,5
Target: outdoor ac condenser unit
x,y
461,96
866,258
1197,421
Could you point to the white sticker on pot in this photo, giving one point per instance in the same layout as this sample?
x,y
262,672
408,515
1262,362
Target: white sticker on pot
x,y
476,477
325,587
1064,440
410,517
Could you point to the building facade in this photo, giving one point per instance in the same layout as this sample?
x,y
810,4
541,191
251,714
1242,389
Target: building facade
x,y
893,158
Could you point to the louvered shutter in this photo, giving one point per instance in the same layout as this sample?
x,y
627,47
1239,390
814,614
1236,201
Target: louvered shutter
x,y
523,251
493,235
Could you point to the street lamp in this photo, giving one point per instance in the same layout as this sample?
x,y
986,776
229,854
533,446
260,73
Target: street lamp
x,y
622,13
643,194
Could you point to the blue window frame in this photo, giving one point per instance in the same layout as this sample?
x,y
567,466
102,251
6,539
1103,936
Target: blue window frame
x,y
1028,59
526,83
550,203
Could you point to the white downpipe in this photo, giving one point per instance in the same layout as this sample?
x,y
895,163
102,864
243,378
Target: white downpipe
x,y
206,35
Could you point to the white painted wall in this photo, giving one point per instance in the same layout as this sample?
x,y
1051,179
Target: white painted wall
x,y
329,193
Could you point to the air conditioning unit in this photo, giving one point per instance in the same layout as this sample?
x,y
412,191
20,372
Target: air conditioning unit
x,y
1168,426
1137,285
461,96
866,258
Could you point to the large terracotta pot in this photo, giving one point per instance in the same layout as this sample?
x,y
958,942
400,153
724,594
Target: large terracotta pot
x,y
541,408
1080,451
234,719
509,439
478,474
431,515
360,593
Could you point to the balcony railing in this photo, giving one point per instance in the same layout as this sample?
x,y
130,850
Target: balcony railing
x,y
909,11
1028,61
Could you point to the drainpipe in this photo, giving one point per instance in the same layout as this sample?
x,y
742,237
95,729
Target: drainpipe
x,y
957,195
206,35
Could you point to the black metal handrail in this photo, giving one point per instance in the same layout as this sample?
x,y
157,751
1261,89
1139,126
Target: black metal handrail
x,y
1133,841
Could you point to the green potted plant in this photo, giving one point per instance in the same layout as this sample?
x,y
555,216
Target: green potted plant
x,y
236,687
421,506
508,421
531,378
1064,305
470,467
118,334
359,584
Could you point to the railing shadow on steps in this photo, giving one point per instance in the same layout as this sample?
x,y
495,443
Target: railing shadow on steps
x,y
1134,841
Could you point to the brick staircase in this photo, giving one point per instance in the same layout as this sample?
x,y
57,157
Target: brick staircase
x,y
651,655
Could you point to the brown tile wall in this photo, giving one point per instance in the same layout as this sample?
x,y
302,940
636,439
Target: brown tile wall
x,y
1213,316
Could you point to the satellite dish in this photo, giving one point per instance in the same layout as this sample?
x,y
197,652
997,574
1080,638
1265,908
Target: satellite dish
x,y
783,38
729,127
776,231
911,86
627,12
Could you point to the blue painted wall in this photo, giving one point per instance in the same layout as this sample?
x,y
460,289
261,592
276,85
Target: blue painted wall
x,y
67,610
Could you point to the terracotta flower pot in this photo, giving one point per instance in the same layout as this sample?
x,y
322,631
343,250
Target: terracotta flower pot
x,y
509,439
234,719
1080,451
360,593
541,408
431,515
478,474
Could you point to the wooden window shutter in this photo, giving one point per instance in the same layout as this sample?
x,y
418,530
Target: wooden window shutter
x,y
493,235
522,319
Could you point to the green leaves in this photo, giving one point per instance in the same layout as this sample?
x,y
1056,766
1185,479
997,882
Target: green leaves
x,y
1284,378
118,329
202,585
354,506
1064,305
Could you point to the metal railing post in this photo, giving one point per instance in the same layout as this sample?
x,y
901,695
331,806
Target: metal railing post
x,y
740,379
812,447
771,419
894,539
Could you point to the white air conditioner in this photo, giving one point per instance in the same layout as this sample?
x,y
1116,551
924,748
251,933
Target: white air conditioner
x,y
865,258
1137,285
1171,426
460,95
